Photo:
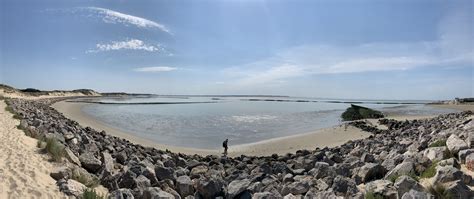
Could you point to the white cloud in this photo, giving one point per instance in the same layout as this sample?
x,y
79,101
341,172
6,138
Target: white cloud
x,y
131,44
110,16
155,69
453,48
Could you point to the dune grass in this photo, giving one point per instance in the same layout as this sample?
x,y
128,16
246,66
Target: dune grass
x,y
92,194
438,143
54,149
430,171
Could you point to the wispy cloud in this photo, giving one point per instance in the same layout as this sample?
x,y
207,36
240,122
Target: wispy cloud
x,y
131,44
452,48
111,16
155,69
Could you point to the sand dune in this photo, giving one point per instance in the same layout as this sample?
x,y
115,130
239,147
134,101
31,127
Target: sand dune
x,y
24,173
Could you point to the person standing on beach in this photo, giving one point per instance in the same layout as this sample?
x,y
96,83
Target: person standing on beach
x,y
224,144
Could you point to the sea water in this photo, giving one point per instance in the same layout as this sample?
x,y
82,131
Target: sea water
x,y
204,122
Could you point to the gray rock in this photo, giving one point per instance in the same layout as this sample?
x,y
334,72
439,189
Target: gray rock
x,y
414,194
463,154
209,188
142,182
90,162
163,173
469,161
447,174
383,187
369,172
198,171
121,194
435,153
291,196
458,189
455,144
367,157
127,180
404,184
71,187
449,162
296,188
322,195
266,195
344,185
71,157
184,186
61,173
156,193
404,168
108,164
236,187
321,170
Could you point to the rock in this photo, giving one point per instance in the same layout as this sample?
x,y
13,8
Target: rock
x,y
108,164
321,195
404,168
121,194
447,174
122,157
71,157
71,187
449,162
414,194
61,173
127,180
435,153
367,157
296,188
455,144
458,189
382,187
369,172
198,170
266,195
463,154
156,193
470,138
405,183
89,162
291,196
209,188
68,136
470,161
163,173
344,185
142,182
184,186
321,170
236,187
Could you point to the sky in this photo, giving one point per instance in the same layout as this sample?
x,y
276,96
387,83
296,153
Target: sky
x,y
309,48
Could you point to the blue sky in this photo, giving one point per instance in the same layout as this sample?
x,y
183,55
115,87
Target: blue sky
x,y
336,49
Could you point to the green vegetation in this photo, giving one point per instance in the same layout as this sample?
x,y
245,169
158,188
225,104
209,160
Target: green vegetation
x,y
438,143
15,115
54,149
430,171
40,143
372,195
92,194
358,112
88,180
394,178
439,192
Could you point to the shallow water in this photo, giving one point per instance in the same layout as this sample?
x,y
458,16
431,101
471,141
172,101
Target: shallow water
x,y
206,125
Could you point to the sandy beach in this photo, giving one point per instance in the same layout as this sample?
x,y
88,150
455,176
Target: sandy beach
x,y
328,137
24,172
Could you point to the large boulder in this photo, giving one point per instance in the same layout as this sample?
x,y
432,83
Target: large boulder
x,y
369,172
414,194
121,194
382,187
209,188
404,168
90,162
156,193
344,185
163,173
405,183
457,189
296,188
455,144
198,171
236,187
355,112
184,186
470,161
447,174
108,164
463,154
71,156
71,187
266,195
435,153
